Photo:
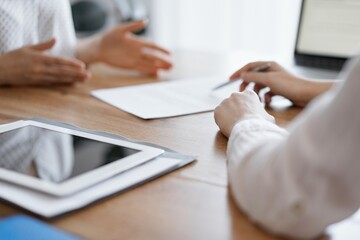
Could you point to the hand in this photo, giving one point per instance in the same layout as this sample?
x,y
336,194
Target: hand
x,y
299,91
238,107
120,48
31,66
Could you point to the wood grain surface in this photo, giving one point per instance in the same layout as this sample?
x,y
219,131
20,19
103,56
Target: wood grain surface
x,y
191,203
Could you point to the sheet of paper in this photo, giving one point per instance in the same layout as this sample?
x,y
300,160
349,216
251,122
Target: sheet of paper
x,y
50,206
167,99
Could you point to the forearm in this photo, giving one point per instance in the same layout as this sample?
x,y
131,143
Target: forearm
x,y
314,88
265,182
87,49
297,185
256,178
302,91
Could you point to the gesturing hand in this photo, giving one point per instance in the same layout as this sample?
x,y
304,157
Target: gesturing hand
x,y
31,66
121,48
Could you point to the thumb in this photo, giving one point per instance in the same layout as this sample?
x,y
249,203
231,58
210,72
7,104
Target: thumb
x,y
133,26
44,45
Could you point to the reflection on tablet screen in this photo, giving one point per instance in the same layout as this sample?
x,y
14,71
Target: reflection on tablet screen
x,y
53,156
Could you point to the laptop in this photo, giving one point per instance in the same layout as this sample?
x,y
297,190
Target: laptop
x,y
328,33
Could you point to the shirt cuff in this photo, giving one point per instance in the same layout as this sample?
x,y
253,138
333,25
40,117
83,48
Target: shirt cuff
x,y
248,134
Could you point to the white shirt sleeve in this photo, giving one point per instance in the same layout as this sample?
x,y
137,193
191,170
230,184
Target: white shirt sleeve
x,y
31,22
297,182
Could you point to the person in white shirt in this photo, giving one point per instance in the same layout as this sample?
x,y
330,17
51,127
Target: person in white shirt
x,y
294,182
30,29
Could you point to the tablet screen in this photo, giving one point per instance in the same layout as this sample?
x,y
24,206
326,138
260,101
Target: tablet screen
x,y
55,156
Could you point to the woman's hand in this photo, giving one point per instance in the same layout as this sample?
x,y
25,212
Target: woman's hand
x,y
238,107
121,48
298,90
31,66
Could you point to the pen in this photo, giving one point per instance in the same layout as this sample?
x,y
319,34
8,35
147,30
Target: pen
x,y
260,68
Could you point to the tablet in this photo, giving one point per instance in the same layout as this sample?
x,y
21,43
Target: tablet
x,y
62,161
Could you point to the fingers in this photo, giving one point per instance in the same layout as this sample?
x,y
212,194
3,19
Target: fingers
x,y
250,66
65,70
268,97
156,61
133,26
65,74
146,44
62,61
245,69
257,78
44,45
258,88
57,75
260,80
52,70
146,68
151,64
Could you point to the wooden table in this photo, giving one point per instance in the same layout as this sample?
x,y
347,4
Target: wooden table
x,y
190,203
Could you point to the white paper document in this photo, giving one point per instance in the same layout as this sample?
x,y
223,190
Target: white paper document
x,y
167,99
50,206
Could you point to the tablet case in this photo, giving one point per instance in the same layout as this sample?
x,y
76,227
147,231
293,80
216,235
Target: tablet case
x,y
56,210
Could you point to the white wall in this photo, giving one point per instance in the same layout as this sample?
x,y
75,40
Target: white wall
x,y
264,26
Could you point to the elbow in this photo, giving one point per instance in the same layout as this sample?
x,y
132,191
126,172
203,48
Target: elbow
x,y
289,217
280,222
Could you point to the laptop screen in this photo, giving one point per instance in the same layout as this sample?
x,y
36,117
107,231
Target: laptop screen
x,y
329,28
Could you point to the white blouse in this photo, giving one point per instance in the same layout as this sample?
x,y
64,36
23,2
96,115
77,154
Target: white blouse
x,y
24,22
297,182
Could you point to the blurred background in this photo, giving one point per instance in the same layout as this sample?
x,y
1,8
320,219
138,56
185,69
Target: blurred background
x,y
201,25
226,25
222,33
93,16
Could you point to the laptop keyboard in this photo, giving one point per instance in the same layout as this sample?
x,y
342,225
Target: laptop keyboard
x,y
320,62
